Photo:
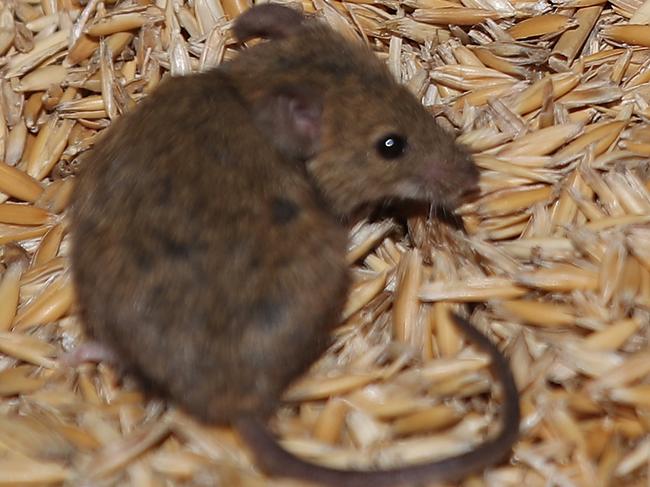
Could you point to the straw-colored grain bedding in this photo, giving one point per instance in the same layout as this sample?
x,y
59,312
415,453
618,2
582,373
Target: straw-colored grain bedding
x,y
554,100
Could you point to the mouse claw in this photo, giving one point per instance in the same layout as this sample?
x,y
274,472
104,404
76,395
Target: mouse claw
x,y
87,352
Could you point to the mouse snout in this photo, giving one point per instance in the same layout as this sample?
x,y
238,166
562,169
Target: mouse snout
x,y
456,178
469,173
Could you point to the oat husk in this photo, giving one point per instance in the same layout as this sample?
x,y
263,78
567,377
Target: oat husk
x,y
554,101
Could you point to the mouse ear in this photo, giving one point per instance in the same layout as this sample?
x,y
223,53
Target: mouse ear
x,y
291,118
267,20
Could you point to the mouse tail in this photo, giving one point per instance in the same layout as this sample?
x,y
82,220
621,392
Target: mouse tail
x,y
268,20
276,461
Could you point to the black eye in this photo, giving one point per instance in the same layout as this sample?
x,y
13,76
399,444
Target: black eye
x,y
391,146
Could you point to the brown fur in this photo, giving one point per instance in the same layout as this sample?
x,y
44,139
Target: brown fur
x,y
208,251
203,258
361,102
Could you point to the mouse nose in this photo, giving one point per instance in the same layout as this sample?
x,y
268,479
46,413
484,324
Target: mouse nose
x,y
464,178
473,175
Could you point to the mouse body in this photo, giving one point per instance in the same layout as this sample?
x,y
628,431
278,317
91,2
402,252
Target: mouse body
x,y
208,244
194,250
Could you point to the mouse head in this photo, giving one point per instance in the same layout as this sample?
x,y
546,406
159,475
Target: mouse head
x,y
334,105
389,147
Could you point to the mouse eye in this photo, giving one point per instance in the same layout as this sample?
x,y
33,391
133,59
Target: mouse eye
x,y
391,146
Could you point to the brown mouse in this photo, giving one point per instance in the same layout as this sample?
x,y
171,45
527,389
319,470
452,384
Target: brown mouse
x,y
208,243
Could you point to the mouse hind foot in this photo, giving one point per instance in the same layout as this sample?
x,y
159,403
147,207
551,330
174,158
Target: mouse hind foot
x,y
91,351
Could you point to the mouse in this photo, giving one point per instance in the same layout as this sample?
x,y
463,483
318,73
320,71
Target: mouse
x,y
209,229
